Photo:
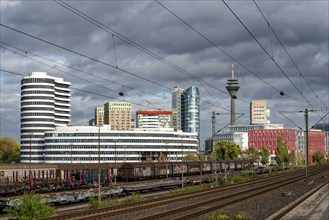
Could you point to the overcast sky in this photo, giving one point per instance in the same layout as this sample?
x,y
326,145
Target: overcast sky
x,y
187,43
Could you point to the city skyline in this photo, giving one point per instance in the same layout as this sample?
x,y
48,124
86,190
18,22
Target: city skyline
x,y
302,28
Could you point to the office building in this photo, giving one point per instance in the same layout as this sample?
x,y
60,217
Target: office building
x,y
259,114
79,144
177,107
186,109
294,138
45,104
118,115
99,116
153,119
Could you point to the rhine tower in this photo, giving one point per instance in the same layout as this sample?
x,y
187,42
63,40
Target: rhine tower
x,y
232,87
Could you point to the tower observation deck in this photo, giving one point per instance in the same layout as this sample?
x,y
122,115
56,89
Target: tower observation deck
x,y
232,87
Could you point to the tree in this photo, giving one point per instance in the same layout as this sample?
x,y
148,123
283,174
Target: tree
x,y
201,156
226,151
282,156
149,160
30,207
9,150
251,154
318,157
162,158
292,157
265,156
191,157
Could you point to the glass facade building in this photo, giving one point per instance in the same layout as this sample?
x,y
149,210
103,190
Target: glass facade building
x,y
186,109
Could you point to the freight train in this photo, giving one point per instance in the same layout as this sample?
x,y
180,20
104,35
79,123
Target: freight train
x,y
16,178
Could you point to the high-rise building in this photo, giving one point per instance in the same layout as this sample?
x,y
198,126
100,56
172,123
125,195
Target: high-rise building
x,y
118,115
45,104
99,116
259,114
186,109
153,119
177,107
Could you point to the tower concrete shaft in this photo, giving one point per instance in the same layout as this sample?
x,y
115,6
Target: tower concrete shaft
x,y
232,87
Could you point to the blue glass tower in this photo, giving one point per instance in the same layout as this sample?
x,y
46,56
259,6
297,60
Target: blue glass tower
x,y
186,110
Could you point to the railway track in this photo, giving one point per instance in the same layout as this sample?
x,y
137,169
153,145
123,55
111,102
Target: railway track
x,y
240,191
282,213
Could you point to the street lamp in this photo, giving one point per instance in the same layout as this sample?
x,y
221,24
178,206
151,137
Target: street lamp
x,y
115,161
30,170
167,160
182,165
213,122
99,165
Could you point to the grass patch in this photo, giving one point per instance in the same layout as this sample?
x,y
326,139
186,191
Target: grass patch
x,y
225,216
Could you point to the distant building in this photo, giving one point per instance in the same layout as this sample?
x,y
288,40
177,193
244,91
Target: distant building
x,y
79,144
153,119
238,134
177,108
259,114
91,122
238,138
322,126
99,116
45,104
118,115
186,109
294,138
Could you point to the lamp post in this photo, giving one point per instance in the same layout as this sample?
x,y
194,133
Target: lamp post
x,y
213,122
182,166
99,165
115,161
167,160
30,168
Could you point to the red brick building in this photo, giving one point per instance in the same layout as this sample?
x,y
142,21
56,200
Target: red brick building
x,y
295,140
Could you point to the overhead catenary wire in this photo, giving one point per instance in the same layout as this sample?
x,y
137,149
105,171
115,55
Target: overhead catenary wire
x,y
279,67
132,43
76,69
85,56
223,51
78,89
286,51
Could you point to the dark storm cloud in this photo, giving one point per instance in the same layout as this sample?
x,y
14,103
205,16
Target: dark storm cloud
x,y
302,28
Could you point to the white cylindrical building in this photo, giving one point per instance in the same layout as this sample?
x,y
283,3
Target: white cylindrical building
x,y
45,103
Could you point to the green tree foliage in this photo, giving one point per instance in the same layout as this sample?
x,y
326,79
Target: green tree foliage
x,y
30,207
282,156
149,160
227,151
251,154
191,157
292,157
264,155
318,157
162,158
9,150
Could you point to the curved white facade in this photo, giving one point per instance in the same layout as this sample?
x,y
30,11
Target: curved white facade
x,y
79,144
45,103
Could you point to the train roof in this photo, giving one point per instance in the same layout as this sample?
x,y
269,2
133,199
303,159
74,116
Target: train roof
x,y
25,166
